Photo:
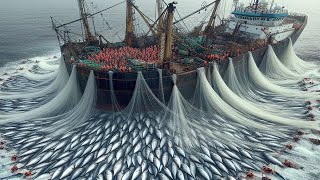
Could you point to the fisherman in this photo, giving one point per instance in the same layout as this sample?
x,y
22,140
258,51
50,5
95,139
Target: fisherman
x,y
311,115
14,169
308,103
300,132
289,146
296,138
250,175
289,164
28,174
267,170
314,141
14,158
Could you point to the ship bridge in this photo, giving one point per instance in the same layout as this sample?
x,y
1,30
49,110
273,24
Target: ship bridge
x,y
260,20
260,16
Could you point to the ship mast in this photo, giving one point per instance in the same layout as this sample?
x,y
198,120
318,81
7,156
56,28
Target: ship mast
x,y
83,14
129,25
169,33
160,22
256,4
210,26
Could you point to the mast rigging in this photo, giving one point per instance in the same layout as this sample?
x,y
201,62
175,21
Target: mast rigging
x,y
84,16
211,23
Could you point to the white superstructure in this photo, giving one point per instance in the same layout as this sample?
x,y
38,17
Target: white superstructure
x,y
261,21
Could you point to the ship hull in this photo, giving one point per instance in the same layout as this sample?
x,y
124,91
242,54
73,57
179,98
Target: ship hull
x,y
124,82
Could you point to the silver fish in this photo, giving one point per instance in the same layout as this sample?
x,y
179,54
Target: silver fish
x,y
96,147
67,171
117,167
222,167
177,160
167,172
272,159
61,145
165,158
87,160
116,145
229,164
245,153
77,173
174,170
114,138
102,168
205,150
206,158
109,175
61,162
181,151
102,158
79,152
136,173
101,152
137,147
34,161
57,173
91,168
186,169
214,169
203,173
144,175
180,175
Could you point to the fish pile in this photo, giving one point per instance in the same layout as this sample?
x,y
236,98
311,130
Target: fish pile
x,y
107,147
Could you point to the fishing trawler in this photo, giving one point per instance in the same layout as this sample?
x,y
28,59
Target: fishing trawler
x,y
166,49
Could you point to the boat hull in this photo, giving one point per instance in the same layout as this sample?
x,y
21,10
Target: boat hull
x,y
124,82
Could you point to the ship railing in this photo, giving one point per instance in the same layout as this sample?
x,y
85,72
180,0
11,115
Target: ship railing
x,y
297,14
263,11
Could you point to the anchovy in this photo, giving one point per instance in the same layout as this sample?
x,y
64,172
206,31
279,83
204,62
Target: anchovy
x,y
91,167
167,172
272,160
117,167
222,167
77,173
203,173
229,164
67,171
57,173
136,173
